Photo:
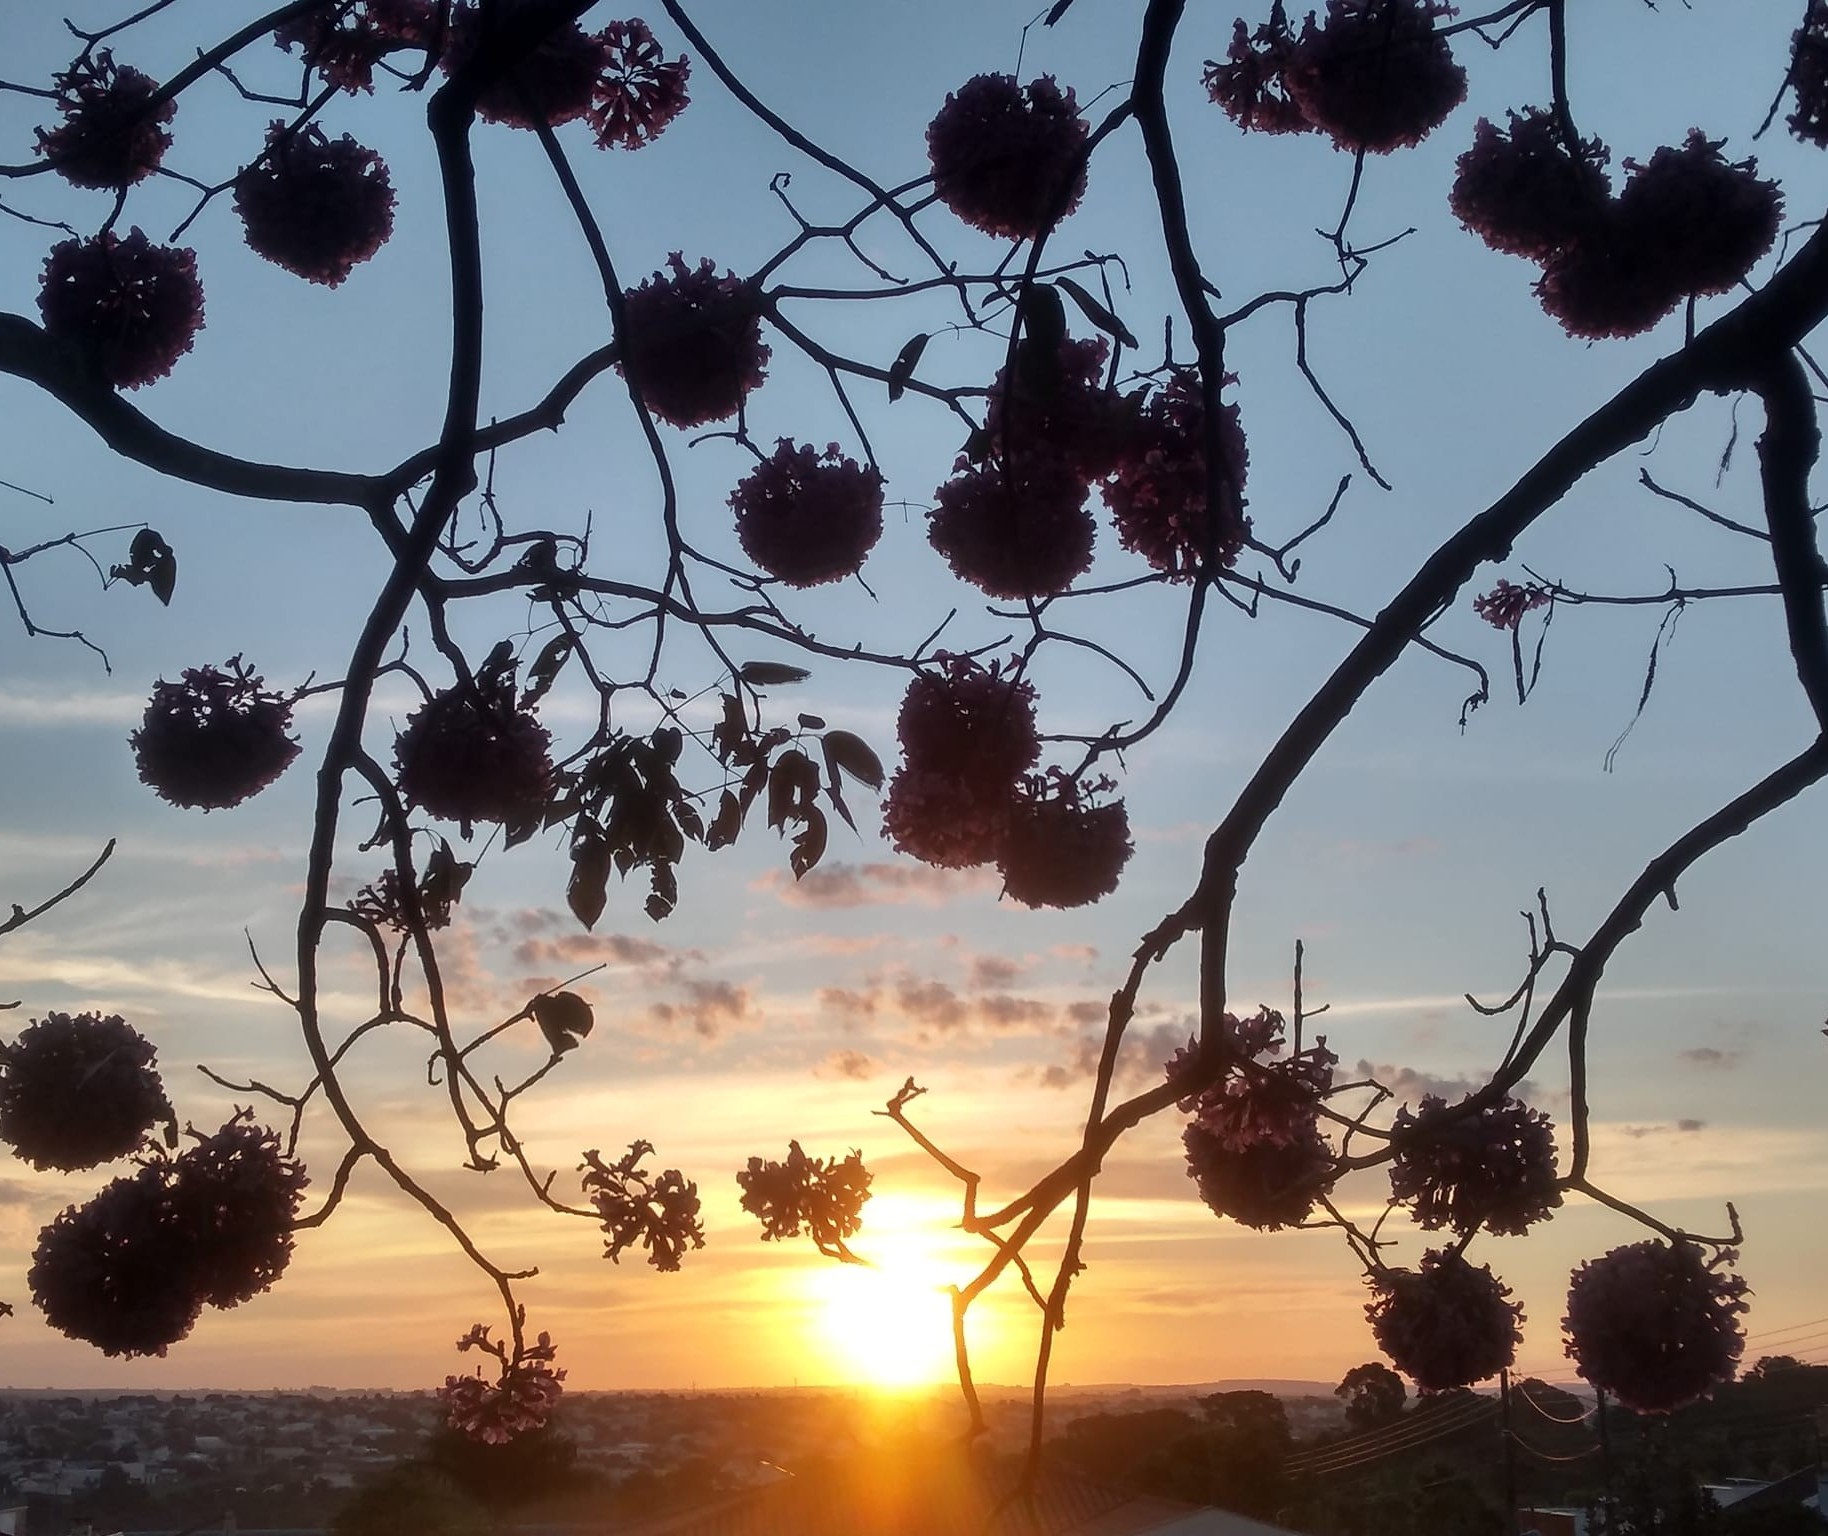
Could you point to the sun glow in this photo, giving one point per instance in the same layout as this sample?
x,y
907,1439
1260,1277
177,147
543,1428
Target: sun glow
x,y
887,1324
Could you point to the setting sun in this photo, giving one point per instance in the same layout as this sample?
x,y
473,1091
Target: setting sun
x,y
889,1323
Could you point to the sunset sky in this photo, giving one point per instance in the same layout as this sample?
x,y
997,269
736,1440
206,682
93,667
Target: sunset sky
x,y
765,1009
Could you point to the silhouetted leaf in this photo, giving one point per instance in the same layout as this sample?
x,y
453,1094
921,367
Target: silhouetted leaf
x,y
667,744
809,846
977,445
1098,314
760,674
150,563
564,1019
1043,316
589,886
546,668
444,879
726,824
906,361
811,723
854,755
786,786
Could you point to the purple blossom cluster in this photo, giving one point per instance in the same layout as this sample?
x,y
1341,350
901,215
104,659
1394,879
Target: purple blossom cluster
x,y
1158,497
469,754
1655,1323
131,1270
1445,1324
806,517
314,205
967,736
133,308
692,343
1009,159
109,138
214,737
1493,1167
78,1090
1376,75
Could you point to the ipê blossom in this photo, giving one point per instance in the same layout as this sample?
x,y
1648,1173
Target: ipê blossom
x,y
1505,605
807,518
1267,1185
1520,190
1073,417
1016,528
1158,497
344,42
692,343
1376,75
79,1090
1009,159
214,737
1062,847
314,205
1656,1324
1249,86
1493,1167
470,754
522,1398
1445,1324
1615,281
1809,76
237,1194
967,735
1713,218
555,82
639,90
134,308
109,138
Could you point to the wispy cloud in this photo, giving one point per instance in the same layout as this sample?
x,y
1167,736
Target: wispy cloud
x,y
871,885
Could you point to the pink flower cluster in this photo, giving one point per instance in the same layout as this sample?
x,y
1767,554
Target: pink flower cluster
x,y
1015,528
130,1271
1068,415
469,754
967,736
134,308
522,1398
1376,75
1254,1144
692,343
109,138
639,91
619,78
1158,495
1061,847
344,42
1445,1324
807,518
1492,1168
214,737
1809,75
1007,158
660,1213
1505,605
1688,222
823,1197
79,1090
1656,1324
314,205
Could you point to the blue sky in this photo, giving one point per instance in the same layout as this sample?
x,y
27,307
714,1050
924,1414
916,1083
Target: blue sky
x,y
762,1010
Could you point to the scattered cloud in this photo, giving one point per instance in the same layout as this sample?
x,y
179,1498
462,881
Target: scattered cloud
x,y
991,973
931,1002
847,1004
870,885
26,710
579,949
709,1007
851,1066
1680,1127
1711,1059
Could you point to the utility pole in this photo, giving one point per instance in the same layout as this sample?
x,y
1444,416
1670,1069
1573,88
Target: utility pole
x,y
1605,1440
1510,1453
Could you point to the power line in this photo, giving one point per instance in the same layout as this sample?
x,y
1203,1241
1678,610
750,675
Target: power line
x,y
1466,1416
1788,1328
1375,1439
